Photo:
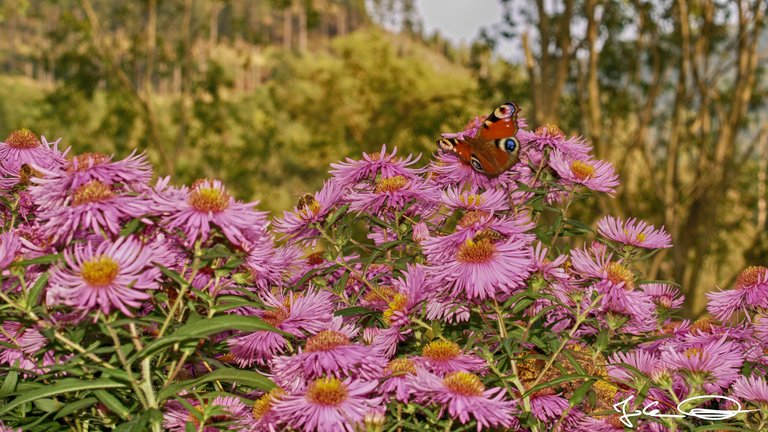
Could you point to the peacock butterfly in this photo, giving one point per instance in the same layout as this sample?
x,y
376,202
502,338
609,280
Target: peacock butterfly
x,y
494,148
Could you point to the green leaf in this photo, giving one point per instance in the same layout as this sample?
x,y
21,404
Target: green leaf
x,y
65,385
131,227
9,384
579,225
237,376
172,274
112,403
47,405
580,392
75,406
558,380
337,214
33,299
140,424
351,311
45,259
203,328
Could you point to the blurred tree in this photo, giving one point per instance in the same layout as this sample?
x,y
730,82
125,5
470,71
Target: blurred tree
x,y
669,91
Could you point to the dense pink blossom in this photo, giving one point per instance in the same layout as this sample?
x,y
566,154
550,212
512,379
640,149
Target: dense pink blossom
x,y
311,209
373,165
749,292
634,232
112,275
464,396
208,203
329,405
594,174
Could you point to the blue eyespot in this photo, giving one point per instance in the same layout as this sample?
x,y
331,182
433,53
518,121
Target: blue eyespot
x,y
510,144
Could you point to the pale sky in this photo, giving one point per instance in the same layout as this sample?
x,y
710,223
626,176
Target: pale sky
x,y
461,20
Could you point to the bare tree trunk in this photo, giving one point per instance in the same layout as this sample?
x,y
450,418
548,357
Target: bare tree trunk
x,y
287,28
302,12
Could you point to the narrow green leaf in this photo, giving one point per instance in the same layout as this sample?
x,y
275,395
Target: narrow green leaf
x,y
580,392
75,407
351,311
337,214
47,405
558,380
65,385
131,227
113,403
242,377
176,277
9,384
45,259
33,299
206,327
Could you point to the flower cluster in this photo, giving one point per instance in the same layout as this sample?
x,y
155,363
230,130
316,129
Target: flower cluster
x,y
401,296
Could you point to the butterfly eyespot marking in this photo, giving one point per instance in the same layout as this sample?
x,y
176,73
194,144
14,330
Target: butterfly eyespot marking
x,y
504,111
509,145
445,144
476,164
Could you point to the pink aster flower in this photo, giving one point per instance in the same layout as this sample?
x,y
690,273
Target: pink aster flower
x,y
94,205
552,138
480,267
445,309
23,147
665,296
112,275
634,232
225,412
134,169
548,405
753,389
398,380
749,292
295,313
594,174
311,209
329,352
489,201
713,366
373,165
443,356
329,405
465,397
264,416
393,193
207,202
10,246
21,348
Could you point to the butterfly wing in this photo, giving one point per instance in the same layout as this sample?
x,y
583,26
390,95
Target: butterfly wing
x,y
501,123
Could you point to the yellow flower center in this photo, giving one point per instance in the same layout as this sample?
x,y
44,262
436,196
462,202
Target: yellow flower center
x,y
208,198
476,251
693,352
262,405
276,316
85,160
399,302
391,184
327,391
703,325
402,366
464,383
22,139
91,192
441,350
605,391
582,170
471,218
549,129
326,340
472,200
100,271
617,273
749,276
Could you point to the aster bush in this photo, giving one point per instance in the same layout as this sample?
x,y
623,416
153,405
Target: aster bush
x,y
404,295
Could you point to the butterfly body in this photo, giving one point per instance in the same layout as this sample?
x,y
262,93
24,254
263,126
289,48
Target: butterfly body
x,y
494,148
